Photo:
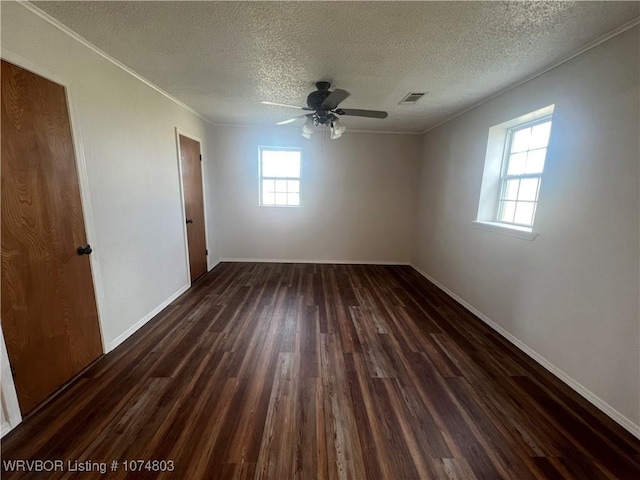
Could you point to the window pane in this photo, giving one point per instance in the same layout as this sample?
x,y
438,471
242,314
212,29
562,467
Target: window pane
x,y
268,198
294,199
524,213
535,160
517,162
540,135
281,199
507,211
291,165
281,186
268,186
528,189
520,141
280,163
293,186
269,166
511,189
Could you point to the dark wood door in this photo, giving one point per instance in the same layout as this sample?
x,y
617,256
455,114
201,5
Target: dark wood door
x,y
194,205
49,314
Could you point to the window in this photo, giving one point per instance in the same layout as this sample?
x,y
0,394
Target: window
x,y
513,170
280,177
525,153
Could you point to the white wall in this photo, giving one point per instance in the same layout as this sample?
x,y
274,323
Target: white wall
x,y
127,130
358,196
572,294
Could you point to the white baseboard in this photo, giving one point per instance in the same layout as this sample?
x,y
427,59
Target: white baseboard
x,y
306,260
580,389
136,326
213,264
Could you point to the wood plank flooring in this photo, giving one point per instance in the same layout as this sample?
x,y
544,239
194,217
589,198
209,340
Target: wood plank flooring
x,y
286,371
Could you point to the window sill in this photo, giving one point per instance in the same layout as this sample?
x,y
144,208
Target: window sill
x,y
279,206
512,231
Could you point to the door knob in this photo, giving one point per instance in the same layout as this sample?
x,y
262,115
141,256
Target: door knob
x,y
84,250
189,220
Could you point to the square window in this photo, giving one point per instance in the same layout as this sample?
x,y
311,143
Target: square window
x,y
279,176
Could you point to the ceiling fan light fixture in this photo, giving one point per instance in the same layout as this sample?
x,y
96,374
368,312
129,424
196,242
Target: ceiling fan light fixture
x,y
337,129
307,128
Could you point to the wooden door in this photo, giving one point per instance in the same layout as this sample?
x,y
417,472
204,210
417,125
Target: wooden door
x,y
49,314
193,205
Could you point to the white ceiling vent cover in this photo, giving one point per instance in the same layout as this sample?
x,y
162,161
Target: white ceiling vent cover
x,y
412,98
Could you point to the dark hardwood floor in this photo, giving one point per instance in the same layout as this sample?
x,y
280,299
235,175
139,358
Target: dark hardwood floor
x,y
286,371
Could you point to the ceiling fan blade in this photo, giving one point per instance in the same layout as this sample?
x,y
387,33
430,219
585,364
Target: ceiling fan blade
x,y
334,99
283,105
290,120
354,112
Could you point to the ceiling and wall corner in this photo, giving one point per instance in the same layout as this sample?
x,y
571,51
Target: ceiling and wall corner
x,y
223,58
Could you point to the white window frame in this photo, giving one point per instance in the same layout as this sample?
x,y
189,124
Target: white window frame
x,y
505,177
493,179
261,177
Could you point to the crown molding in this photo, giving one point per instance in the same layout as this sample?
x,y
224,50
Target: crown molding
x,y
613,33
66,30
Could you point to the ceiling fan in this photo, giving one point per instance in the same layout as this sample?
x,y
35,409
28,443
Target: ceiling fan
x,y
324,105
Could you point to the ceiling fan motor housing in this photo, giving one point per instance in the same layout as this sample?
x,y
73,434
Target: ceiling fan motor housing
x,y
315,99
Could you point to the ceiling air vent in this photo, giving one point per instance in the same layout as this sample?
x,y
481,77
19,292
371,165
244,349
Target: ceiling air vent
x,y
411,98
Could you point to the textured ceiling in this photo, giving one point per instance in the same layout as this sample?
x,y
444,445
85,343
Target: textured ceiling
x,y
223,58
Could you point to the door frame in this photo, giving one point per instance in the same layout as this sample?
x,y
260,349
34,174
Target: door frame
x,y
83,178
182,201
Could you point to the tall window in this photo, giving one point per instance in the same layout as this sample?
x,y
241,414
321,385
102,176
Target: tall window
x,y
513,166
280,176
523,164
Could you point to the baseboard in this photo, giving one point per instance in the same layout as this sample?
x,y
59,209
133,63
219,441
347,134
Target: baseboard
x,y
136,326
575,385
306,260
213,264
